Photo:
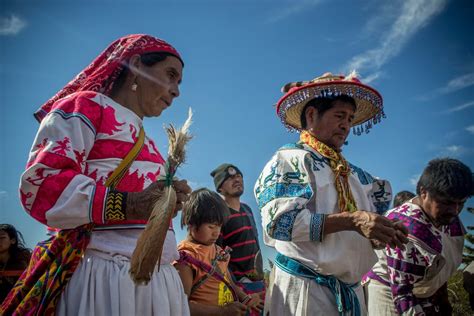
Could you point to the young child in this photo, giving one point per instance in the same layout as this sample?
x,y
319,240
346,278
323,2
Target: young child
x,y
203,265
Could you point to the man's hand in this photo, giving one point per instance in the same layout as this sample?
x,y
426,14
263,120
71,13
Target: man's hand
x,y
140,204
380,229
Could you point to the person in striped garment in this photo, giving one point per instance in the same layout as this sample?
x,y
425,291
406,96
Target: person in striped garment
x,y
240,230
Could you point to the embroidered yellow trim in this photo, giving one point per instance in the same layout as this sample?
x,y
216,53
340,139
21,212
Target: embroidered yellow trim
x,y
115,206
341,170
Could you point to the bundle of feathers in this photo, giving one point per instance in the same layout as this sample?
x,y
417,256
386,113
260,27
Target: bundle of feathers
x,y
147,253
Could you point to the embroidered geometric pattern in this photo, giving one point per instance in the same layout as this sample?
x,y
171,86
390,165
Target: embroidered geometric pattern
x,y
364,177
381,207
115,205
317,226
283,226
283,190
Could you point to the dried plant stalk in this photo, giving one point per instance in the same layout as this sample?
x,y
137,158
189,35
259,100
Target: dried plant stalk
x,y
147,253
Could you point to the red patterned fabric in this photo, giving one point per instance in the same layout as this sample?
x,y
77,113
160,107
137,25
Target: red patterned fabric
x,y
102,72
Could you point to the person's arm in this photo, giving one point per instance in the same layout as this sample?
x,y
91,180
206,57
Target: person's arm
x,y
283,191
186,274
57,190
405,268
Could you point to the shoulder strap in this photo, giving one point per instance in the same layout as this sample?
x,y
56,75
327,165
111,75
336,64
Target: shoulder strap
x,y
210,271
125,164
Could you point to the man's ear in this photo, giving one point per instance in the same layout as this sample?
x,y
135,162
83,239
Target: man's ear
x,y
310,115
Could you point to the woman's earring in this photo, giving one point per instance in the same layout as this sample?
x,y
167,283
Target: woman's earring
x,y
134,85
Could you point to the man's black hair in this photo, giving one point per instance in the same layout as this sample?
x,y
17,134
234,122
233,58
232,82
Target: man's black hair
x,y
447,178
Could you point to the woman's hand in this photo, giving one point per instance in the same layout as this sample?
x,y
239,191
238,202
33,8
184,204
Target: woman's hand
x,y
140,204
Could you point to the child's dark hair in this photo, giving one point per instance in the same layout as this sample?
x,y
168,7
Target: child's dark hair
x,y
204,206
401,197
448,178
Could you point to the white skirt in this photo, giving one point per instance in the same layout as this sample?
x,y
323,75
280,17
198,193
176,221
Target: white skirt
x,y
101,285
380,301
293,295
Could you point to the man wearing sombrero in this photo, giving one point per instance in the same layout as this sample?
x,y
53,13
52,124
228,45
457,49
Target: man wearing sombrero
x,y
320,212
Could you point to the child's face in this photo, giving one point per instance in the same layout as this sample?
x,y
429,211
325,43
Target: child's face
x,y
207,233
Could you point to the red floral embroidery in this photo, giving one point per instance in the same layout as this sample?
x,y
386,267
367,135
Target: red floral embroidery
x,y
62,147
109,124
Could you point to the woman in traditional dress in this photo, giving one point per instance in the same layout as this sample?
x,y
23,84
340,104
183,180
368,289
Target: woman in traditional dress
x,y
74,179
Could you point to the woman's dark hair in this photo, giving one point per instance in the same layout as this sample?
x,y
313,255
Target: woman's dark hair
x,y
204,206
19,246
323,104
149,59
447,178
401,197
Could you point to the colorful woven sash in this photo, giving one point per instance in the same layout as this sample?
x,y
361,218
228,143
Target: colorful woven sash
x,y
341,170
54,261
346,298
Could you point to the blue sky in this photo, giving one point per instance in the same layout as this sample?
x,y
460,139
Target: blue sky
x,y
238,54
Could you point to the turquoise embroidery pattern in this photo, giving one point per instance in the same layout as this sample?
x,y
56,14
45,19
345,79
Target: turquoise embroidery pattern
x,y
364,177
283,190
381,198
282,227
317,226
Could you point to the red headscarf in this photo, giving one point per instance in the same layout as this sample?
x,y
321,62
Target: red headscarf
x,y
101,73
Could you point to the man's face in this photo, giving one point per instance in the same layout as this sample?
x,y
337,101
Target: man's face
x,y
233,186
441,210
333,127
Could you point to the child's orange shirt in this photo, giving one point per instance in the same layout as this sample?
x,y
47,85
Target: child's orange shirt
x,y
212,291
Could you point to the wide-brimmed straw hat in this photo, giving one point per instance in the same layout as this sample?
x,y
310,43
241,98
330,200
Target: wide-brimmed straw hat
x,y
297,94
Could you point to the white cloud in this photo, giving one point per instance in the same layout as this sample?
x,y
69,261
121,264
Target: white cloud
x,y
455,150
414,15
461,107
11,25
372,77
459,83
301,6
470,129
414,179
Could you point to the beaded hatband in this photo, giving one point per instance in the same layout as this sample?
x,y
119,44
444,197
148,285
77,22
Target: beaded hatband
x,y
368,101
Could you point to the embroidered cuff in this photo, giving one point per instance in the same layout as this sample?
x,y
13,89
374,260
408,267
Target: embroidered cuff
x,y
316,228
115,206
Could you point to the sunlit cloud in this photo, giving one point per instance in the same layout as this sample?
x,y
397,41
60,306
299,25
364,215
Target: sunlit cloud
x,y
11,25
414,15
470,129
414,179
453,85
454,150
461,107
293,9
458,83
